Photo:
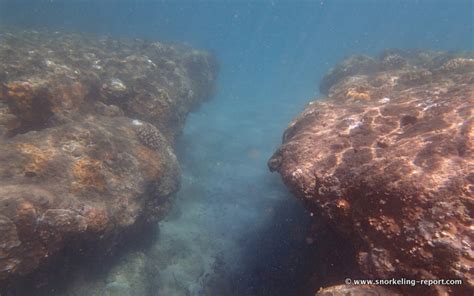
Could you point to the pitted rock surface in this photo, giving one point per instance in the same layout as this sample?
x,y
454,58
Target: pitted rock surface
x,y
75,170
387,158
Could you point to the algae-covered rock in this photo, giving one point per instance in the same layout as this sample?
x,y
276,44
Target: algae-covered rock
x,y
77,168
387,158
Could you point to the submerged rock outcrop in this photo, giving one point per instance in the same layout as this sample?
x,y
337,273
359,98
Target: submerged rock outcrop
x,y
87,127
387,158
362,290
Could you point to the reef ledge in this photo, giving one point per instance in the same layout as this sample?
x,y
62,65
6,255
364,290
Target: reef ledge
x,y
387,159
87,129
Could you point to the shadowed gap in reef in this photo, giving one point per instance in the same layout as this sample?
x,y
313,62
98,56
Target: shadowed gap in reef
x,y
294,254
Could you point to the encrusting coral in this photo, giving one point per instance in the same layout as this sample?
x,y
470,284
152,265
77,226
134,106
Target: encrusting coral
x,y
76,171
387,159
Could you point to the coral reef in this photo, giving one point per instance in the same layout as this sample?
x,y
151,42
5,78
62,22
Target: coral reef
x,y
87,126
149,135
387,159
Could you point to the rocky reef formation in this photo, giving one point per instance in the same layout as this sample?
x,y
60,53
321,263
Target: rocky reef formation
x,y
348,290
87,127
387,159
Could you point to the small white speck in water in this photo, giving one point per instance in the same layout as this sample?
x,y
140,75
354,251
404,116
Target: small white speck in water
x,y
355,125
137,122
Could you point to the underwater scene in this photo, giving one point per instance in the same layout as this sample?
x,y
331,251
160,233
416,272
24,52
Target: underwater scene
x,y
236,147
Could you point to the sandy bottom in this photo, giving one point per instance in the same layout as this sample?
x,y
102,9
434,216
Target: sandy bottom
x,y
227,204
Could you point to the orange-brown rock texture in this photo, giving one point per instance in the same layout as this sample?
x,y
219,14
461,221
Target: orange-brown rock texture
x,y
87,126
387,158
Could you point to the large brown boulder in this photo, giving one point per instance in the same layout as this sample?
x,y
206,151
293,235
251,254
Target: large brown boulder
x,y
87,127
387,158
